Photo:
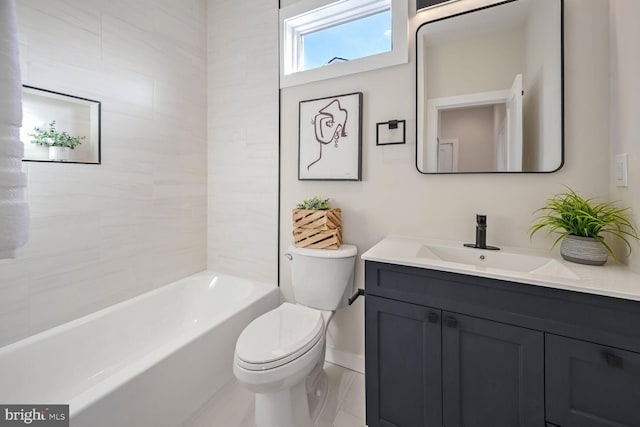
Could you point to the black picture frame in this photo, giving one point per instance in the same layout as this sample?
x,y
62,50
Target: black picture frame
x,y
333,122
42,106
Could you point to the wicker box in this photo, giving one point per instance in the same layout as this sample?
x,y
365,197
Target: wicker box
x,y
316,229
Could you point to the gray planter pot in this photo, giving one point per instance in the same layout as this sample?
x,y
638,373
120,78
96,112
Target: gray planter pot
x,y
583,250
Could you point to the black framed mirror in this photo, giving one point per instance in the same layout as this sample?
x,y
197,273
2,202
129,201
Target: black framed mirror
x,y
58,127
489,90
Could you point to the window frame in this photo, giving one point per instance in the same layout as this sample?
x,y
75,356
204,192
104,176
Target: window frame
x,y
306,16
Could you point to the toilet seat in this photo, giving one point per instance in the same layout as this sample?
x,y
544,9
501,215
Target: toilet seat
x,y
278,337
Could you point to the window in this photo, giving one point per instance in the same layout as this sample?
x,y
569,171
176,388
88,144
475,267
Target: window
x,y
366,36
321,40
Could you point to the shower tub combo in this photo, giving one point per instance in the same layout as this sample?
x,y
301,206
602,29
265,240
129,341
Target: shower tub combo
x,y
152,360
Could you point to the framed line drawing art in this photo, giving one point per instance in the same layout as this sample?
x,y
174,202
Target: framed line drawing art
x,y
330,138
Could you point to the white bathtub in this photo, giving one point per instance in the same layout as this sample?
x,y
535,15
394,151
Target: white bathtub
x,y
148,361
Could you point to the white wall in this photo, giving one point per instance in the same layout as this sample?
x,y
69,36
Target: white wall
x,y
243,138
393,198
541,102
474,129
485,63
137,221
625,105
104,233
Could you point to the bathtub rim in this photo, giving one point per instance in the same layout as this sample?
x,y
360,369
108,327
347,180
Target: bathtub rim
x,y
88,396
97,314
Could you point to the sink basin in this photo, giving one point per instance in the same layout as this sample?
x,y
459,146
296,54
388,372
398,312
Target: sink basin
x,y
502,260
483,258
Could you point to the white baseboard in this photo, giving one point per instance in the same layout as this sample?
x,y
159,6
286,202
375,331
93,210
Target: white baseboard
x,y
352,361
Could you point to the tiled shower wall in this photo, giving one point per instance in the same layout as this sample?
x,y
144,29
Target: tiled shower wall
x,y
243,138
104,233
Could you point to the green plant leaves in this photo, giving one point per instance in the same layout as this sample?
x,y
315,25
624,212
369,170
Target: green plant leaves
x,y
315,204
52,138
568,213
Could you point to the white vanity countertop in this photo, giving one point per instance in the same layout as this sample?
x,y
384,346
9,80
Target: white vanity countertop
x,y
608,280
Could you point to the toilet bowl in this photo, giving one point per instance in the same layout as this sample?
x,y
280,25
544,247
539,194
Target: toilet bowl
x,y
280,355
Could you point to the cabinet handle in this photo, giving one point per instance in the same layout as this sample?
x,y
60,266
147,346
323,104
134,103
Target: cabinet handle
x,y
613,360
433,317
452,322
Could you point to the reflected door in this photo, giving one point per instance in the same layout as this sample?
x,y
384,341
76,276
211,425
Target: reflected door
x,y
448,155
514,120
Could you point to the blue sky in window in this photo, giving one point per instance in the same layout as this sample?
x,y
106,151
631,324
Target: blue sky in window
x,y
351,40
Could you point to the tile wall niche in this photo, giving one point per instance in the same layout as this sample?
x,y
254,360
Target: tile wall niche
x,y
102,234
243,138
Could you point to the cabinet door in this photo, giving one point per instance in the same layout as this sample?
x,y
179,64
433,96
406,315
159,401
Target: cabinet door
x,y
591,385
403,381
493,373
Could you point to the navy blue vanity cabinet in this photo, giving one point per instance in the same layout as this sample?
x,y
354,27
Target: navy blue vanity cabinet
x,y
403,355
431,367
455,350
590,385
493,373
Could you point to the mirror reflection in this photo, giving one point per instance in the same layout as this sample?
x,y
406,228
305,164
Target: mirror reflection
x,y
489,90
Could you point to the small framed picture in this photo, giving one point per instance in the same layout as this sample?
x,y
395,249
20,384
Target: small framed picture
x,y
330,138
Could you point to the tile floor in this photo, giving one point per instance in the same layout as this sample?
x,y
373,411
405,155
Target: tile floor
x,y
233,405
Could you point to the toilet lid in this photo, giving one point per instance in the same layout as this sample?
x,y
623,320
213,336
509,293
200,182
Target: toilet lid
x,y
279,336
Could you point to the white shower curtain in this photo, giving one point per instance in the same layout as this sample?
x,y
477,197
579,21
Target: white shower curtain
x,y
14,210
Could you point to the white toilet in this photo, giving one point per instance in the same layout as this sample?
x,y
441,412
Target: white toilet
x,y
280,355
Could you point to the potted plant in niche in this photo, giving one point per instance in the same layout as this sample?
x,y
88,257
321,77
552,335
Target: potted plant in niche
x,y
582,224
59,143
316,225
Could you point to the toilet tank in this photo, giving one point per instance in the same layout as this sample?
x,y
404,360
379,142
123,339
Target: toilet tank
x,y
322,278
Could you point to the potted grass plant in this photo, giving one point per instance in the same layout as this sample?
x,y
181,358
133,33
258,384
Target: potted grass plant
x,y
60,143
582,224
316,225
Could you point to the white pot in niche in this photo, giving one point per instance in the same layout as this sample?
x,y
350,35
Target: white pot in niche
x,y
59,153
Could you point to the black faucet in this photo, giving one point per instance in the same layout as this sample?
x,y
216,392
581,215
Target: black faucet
x,y
481,235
